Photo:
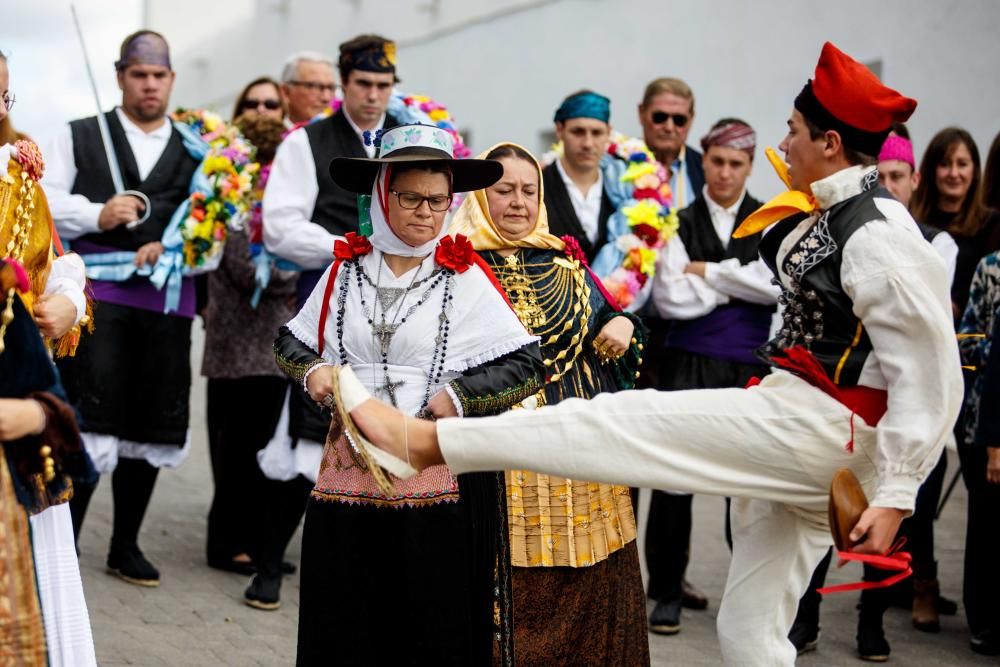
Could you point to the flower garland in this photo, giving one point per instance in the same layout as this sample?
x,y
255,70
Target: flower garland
x,y
223,191
642,224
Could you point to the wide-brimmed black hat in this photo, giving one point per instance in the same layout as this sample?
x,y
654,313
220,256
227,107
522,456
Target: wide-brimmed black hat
x,y
414,144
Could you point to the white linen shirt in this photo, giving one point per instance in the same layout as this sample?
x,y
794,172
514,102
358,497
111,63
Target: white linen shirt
x,y
289,201
587,206
75,215
686,296
901,293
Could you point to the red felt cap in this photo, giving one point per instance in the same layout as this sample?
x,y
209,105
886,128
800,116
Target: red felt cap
x,y
854,95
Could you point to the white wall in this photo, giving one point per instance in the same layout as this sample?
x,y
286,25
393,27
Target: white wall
x,y
503,66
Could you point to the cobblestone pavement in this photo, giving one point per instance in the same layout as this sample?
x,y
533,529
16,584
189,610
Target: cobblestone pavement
x,y
196,616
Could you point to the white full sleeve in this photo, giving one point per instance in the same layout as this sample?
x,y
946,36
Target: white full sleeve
x,y
69,278
678,295
900,291
748,282
289,200
74,215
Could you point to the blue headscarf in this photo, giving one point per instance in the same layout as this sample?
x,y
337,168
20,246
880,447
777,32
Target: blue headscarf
x,y
584,105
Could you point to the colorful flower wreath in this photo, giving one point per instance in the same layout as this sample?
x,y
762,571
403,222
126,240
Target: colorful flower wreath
x,y
222,190
642,224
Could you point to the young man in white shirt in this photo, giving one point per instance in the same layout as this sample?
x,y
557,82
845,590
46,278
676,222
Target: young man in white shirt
x,y
716,295
131,379
574,184
868,379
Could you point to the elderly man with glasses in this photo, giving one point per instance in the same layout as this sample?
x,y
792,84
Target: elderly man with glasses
x,y
307,85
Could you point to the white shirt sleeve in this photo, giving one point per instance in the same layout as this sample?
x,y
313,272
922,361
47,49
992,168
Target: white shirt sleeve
x,y
678,295
747,282
289,200
901,294
74,215
948,249
69,278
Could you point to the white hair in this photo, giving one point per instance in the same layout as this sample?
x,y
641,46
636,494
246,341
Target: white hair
x,y
291,68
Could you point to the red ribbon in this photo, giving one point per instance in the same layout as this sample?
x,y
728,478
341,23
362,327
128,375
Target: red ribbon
x,y
353,246
893,560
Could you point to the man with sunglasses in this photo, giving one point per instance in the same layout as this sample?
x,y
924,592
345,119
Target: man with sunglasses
x,y
304,213
666,114
307,85
577,203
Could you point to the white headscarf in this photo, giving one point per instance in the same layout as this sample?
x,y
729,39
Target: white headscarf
x,y
383,238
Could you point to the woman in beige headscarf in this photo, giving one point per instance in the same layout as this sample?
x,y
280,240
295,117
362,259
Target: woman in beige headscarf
x,y
577,587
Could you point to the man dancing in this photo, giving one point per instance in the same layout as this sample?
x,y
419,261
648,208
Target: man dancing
x,y
867,379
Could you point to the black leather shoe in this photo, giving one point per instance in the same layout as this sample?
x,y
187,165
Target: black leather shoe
x,y
804,636
872,644
985,643
692,598
666,618
129,564
263,593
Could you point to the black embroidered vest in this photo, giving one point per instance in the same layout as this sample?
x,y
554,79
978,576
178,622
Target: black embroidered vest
x,y
167,184
336,209
818,314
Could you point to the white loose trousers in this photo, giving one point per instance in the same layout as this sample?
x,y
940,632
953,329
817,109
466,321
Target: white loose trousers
x,y
773,447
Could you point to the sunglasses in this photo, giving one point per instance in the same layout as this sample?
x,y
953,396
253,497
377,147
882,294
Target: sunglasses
x,y
661,117
250,103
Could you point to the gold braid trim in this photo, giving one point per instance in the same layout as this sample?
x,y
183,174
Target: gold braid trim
x,y
498,402
296,371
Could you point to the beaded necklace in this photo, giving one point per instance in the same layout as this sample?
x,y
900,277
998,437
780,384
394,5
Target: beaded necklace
x,y
383,331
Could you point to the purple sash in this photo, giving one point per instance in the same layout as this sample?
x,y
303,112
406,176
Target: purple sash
x,y
731,332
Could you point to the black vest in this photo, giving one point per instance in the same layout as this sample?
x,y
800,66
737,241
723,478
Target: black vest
x,y
703,243
167,184
336,209
818,313
562,215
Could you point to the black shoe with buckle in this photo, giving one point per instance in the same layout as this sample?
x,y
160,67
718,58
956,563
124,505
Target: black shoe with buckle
x,y
666,617
129,564
263,593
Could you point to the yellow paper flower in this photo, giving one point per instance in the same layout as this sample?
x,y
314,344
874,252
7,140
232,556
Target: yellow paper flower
x,y
638,169
644,212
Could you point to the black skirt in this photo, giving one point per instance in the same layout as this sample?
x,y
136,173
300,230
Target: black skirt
x,y
403,586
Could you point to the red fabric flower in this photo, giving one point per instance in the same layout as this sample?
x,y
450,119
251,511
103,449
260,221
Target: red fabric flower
x,y
456,253
646,233
573,249
353,246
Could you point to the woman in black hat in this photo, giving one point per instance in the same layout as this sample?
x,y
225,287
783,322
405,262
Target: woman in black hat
x,y
422,323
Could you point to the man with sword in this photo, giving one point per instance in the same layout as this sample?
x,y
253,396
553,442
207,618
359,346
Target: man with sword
x,y
131,379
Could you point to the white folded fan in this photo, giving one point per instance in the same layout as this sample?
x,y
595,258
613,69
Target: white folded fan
x,y
348,394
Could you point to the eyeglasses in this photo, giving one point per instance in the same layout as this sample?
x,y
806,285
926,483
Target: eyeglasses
x,y
313,86
661,117
412,201
8,100
250,103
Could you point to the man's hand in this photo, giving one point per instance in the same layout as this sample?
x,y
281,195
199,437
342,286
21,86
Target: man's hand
x,y
148,254
20,417
878,527
319,384
695,268
993,465
55,314
441,405
120,210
